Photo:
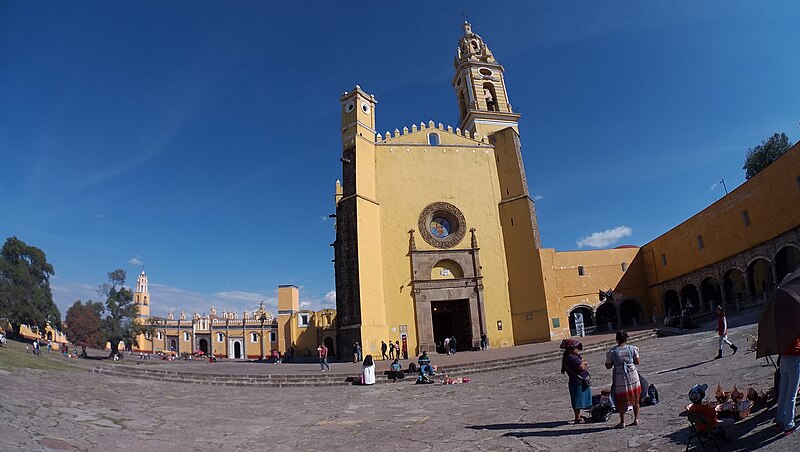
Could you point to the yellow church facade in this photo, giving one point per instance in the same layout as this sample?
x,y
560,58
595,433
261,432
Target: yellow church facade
x,y
437,236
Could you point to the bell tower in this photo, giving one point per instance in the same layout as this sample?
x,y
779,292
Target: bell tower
x,y
483,103
141,296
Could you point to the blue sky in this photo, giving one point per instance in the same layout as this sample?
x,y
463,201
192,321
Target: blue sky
x,y
201,139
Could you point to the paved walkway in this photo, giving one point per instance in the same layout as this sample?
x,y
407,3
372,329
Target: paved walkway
x,y
519,409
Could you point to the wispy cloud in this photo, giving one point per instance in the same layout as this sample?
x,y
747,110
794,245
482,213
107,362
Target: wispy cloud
x,y
330,297
713,186
605,238
66,293
135,261
538,197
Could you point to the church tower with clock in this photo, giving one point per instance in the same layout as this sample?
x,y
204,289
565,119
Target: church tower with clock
x,y
436,232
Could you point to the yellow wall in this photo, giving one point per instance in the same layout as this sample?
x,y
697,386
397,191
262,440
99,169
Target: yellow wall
x,y
567,289
772,198
413,174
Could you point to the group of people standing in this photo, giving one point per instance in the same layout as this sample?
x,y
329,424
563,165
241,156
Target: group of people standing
x,y
625,385
393,349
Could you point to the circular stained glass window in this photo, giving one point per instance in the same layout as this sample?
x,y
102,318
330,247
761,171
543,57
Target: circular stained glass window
x,y
440,227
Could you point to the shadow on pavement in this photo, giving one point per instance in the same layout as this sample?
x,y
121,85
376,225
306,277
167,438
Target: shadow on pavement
x,y
550,428
685,367
511,426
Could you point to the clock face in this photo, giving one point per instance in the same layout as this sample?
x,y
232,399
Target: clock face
x,y
440,227
365,107
348,107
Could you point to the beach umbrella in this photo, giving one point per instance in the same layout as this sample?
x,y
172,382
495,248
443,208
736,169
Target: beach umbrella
x,y
780,320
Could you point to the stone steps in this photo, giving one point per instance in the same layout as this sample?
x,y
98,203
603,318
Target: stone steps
x,y
340,379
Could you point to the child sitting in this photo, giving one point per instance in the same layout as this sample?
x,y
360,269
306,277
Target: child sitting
x,y
696,395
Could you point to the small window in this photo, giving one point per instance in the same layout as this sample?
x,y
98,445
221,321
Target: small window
x,y
624,266
433,139
159,335
220,337
700,244
147,336
253,337
185,336
556,322
664,260
512,222
303,320
272,336
581,270
746,218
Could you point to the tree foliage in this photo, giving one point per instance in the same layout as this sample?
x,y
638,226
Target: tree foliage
x,y
765,153
25,296
119,324
83,325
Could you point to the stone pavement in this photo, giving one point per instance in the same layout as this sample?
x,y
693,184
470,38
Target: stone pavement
x,y
522,408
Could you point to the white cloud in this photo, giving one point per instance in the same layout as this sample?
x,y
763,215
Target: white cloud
x,y
538,197
713,186
323,218
605,238
330,297
135,261
305,304
66,293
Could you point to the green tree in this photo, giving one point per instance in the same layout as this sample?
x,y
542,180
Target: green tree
x,y
83,325
119,324
25,296
765,153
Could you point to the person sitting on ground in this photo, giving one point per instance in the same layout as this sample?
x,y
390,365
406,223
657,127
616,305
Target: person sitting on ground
x,y
425,364
696,396
368,371
396,370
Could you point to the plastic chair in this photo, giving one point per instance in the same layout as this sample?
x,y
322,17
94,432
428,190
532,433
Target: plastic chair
x,y
705,438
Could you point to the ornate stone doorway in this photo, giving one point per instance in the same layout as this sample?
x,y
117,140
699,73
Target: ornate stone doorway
x,y
202,344
449,280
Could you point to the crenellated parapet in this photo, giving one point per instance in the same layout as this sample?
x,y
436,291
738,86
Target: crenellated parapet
x,y
427,128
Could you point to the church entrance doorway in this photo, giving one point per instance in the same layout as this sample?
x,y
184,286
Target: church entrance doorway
x,y
203,344
451,318
236,349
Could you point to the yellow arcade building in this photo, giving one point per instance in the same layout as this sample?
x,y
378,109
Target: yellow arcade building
x,y
226,334
436,232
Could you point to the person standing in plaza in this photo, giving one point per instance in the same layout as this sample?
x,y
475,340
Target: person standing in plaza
x,y
580,391
787,387
453,347
323,358
384,347
391,351
627,389
447,345
722,331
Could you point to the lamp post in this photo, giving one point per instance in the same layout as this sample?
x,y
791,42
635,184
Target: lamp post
x,y
262,319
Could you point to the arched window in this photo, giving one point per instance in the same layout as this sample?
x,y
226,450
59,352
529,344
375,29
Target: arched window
x,y
185,335
433,139
581,270
490,96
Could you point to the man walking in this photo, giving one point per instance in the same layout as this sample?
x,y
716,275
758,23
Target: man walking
x,y
384,347
722,331
323,358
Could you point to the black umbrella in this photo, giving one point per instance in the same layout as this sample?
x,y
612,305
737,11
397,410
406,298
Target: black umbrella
x,y
780,321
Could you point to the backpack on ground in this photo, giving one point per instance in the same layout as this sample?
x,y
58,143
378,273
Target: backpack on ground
x,y
652,395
